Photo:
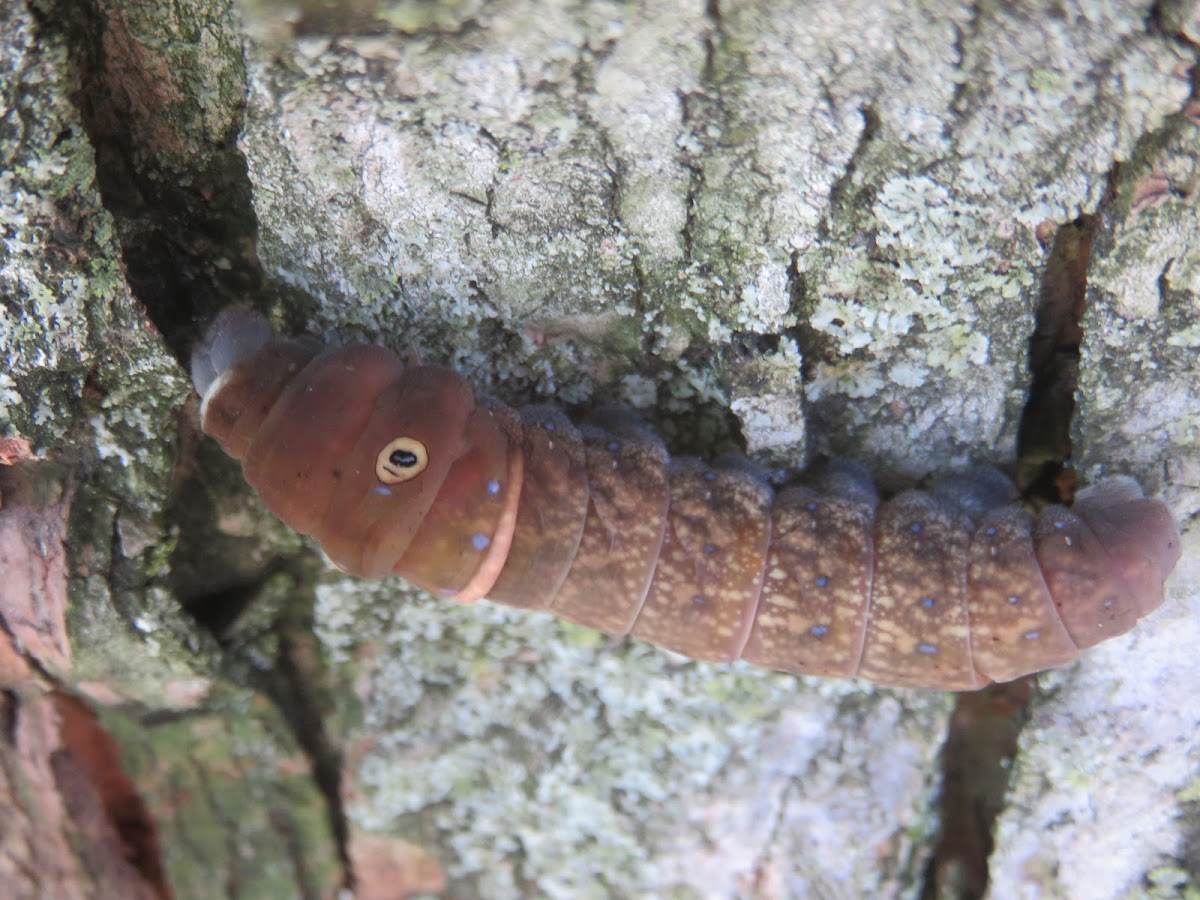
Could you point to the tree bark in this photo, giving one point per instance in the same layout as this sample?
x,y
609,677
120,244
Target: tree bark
x,y
823,228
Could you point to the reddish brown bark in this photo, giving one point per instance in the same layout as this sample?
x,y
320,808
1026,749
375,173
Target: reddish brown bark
x,y
73,823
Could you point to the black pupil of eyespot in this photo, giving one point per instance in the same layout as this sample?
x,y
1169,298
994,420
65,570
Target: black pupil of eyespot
x,y
405,459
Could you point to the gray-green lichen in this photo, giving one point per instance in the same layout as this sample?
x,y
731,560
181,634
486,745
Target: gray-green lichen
x,y
524,751
43,326
932,271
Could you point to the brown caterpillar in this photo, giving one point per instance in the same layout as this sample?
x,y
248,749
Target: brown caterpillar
x,y
403,469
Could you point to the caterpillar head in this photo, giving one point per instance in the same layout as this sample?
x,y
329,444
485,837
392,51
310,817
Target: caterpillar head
x,y
390,467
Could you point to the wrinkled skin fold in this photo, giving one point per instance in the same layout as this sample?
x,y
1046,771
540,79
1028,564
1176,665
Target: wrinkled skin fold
x,y
949,588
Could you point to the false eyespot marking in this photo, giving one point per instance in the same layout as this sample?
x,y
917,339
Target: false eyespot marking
x,y
948,587
401,460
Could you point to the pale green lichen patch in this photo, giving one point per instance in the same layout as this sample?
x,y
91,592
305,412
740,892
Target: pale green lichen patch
x,y
1169,883
931,309
415,16
1185,337
934,268
538,753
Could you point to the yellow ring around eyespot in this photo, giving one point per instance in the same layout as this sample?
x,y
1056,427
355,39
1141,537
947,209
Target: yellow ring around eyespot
x,y
401,460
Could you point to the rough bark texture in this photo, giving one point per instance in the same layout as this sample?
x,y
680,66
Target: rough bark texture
x,y
812,228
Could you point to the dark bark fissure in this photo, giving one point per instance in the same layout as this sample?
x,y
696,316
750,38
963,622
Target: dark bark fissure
x,y
183,214
293,684
1044,439
181,203
976,764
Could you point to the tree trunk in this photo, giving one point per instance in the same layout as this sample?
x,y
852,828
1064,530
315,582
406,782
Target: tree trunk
x,y
858,228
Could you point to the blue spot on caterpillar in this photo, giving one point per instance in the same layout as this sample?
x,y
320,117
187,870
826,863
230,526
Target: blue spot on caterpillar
x,y
948,588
